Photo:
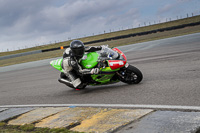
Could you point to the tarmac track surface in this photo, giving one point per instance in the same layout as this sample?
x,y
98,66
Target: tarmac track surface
x,y
171,70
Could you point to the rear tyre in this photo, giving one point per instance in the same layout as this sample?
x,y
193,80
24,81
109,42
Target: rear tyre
x,y
131,75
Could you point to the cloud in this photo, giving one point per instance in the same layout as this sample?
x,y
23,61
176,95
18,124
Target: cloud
x,y
24,16
166,8
35,19
177,7
30,22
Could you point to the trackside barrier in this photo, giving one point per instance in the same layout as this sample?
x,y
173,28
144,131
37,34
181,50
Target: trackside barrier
x,y
62,47
20,54
144,33
106,39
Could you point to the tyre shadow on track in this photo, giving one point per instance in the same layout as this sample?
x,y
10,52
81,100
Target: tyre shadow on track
x,y
101,89
112,93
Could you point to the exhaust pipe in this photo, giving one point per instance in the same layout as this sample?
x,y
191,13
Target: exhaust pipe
x,y
66,82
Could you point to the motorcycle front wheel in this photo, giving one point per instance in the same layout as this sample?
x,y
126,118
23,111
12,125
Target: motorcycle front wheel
x,y
130,75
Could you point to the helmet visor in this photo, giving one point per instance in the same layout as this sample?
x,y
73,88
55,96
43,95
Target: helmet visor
x,y
78,52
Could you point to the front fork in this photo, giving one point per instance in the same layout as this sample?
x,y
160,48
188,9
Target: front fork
x,y
122,74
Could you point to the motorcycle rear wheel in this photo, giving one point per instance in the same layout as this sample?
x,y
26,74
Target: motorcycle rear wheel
x,y
131,75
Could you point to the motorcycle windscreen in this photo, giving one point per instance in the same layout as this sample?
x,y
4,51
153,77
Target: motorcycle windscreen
x,y
57,64
89,60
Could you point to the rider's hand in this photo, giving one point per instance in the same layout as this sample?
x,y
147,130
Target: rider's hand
x,y
94,71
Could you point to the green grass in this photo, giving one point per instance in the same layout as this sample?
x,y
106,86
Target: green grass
x,y
30,128
112,43
112,34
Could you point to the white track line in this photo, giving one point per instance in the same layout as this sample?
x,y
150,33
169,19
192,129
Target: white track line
x,y
131,106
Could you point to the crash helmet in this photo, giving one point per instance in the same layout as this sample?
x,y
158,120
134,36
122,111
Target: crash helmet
x,y
77,48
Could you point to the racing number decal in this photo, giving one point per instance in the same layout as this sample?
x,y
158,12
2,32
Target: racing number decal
x,y
121,63
114,64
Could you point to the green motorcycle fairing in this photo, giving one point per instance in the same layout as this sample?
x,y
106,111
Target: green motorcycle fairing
x,y
57,64
105,75
89,61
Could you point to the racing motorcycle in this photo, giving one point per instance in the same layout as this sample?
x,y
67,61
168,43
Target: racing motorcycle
x,y
113,68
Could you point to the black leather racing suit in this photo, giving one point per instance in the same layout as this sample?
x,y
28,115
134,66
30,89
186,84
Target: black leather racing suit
x,y
71,66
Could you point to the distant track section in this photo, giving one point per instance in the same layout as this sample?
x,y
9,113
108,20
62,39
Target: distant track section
x,y
107,39
20,54
132,35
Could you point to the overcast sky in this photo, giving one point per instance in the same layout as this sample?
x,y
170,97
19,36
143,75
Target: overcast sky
x,y
27,23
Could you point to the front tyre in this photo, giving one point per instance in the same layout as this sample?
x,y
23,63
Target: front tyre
x,y
130,75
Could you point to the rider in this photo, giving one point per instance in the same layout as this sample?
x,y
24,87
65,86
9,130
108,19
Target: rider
x,y
71,59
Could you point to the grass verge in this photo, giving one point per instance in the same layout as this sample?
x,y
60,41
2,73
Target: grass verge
x,y
112,43
112,34
30,128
